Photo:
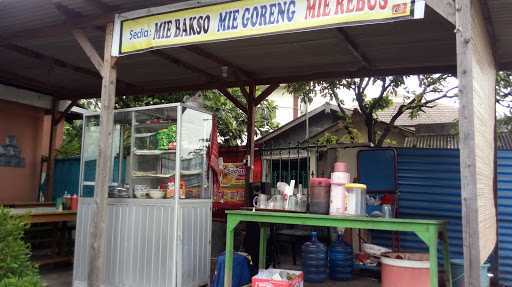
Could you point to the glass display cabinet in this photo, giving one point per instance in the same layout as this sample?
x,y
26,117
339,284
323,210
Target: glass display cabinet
x,y
159,207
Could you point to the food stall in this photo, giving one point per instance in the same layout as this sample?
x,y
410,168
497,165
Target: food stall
x,y
159,205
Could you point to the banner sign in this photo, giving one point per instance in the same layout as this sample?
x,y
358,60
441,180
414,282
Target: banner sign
x,y
176,25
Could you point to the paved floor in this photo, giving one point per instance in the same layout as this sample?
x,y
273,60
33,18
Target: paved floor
x,y
58,276
62,277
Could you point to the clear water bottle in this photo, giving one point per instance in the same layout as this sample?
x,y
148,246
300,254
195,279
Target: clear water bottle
x,y
314,260
341,260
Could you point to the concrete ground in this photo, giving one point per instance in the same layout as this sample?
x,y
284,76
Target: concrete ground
x,y
63,276
57,276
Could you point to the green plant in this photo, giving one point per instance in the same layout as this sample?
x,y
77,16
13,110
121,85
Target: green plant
x,y
16,270
72,140
166,137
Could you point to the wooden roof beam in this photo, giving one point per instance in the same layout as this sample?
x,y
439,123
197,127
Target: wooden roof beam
x,y
173,60
209,84
79,22
60,63
45,58
67,12
445,8
89,49
234,100
86,45
245,93
66,110
102,6
267,92
16,80
354,48
220,61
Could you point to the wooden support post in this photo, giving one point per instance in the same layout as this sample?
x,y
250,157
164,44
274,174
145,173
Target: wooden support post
x,y
477,83
251,126
52,151
97,250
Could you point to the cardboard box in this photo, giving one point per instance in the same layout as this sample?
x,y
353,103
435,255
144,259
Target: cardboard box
x,y
268,282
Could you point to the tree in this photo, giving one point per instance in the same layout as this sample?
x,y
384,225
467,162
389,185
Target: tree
x,y
504,99
431,88
504,89
72,140
232,122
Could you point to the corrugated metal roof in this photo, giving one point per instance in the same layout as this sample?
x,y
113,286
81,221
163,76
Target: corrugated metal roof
x,y
451,141
427,44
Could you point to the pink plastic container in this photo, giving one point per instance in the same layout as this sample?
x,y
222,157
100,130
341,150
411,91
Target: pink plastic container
x,y
412,270
340,167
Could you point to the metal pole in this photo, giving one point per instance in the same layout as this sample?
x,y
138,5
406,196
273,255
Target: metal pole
x,y
289,162
280,164
271,159
298,165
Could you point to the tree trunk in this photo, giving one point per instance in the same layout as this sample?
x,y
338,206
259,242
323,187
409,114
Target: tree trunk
x,y
370,127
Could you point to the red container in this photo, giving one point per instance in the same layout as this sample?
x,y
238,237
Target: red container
x,y
267,282
412,270
319,195
74,202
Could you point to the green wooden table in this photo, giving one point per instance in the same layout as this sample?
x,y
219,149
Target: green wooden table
x,y
430,231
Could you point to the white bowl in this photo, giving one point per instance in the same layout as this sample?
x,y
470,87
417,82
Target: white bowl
x,y
141,194
156,194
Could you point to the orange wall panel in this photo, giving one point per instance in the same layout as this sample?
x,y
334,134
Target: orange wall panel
x,y
32,130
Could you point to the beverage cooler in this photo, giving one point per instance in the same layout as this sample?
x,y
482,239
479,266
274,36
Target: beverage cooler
x,y
159,206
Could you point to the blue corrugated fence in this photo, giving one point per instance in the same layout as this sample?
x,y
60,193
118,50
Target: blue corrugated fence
x,y
429,184
505,217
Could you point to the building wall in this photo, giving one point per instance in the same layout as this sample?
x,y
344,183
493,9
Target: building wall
x,y
284,102
31,127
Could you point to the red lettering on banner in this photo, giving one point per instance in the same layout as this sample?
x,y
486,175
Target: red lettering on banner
x,y
310,9
319,9
360,5
372,4
327,9
340,7
350,6
383,4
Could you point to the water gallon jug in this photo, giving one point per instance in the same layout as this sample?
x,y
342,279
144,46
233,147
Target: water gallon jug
x,y
341,260
314,260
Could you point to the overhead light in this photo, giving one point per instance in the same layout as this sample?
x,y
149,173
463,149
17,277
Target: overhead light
x,y
224,70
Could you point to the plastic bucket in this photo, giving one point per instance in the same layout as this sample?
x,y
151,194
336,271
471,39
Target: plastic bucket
x,y
412,270
458,273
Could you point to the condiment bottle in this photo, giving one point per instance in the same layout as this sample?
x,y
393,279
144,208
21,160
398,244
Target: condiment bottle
x,y
67,201
74,202
171,188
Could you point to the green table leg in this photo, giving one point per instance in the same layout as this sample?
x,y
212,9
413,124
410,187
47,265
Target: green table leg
x,y
446,256
228,267
264,229
430,237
